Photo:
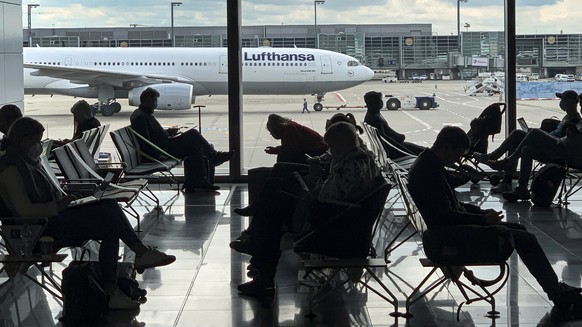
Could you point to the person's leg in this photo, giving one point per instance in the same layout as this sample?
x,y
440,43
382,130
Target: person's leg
x,y
537,263
508,145
103,220
536,138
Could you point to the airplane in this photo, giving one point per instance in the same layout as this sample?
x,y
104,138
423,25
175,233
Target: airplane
x,y
181,74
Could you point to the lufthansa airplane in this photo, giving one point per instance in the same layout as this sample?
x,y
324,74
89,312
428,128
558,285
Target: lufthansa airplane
x,y
181,74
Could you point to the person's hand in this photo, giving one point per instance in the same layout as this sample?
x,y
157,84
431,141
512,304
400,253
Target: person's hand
x,y
493,217
63,203
173,131
271,150
315,168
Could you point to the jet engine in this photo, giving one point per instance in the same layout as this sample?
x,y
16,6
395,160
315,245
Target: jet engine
x,y
173,96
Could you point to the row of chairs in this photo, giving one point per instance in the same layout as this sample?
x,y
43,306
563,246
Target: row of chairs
x,y
125,182
472,288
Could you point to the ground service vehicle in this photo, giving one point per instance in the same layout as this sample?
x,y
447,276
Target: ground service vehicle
x,y
420,102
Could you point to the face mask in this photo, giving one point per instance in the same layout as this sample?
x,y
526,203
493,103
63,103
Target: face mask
x,y
35,152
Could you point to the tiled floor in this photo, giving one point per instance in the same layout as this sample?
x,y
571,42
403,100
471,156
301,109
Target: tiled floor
x,y
199,289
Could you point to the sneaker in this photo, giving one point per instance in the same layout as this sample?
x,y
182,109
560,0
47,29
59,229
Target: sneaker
x,y
152,258
243,246
501,188
517,195
480,157
245,212
257,289
222,157
119,301
569,304
499,165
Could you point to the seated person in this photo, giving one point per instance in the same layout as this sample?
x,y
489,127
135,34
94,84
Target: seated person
x,y
83,120
317,167
296,140
442,212
374,104
562,145
191,144
26,191
8,114
352,175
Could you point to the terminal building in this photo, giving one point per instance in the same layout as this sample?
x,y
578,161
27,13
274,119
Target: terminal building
x,y
407,49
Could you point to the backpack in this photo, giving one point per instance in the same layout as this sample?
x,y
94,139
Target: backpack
x,y
545,184
83,296
196,176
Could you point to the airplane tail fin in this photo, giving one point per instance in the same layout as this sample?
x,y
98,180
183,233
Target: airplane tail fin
x,y
340,97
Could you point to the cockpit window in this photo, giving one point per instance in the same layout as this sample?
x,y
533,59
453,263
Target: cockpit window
x,y
352,63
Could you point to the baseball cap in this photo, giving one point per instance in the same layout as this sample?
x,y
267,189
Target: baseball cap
x,y
568,95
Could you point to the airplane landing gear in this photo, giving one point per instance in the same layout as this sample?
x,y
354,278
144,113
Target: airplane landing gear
x,y
107,109
318,106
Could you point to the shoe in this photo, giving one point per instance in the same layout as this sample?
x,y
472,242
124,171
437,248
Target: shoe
x,y
569,304
243,246
503,187
257,289
480,157
222,157
152,258
119,301
516,195
246,211
499,165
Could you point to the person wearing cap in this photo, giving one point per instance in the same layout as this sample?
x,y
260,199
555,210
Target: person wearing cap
x,y
562,145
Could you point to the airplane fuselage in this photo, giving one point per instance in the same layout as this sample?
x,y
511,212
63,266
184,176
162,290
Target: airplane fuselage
x,y
264,70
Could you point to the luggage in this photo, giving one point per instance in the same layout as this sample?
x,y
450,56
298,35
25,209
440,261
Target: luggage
x,y
198,173
545,184
83,296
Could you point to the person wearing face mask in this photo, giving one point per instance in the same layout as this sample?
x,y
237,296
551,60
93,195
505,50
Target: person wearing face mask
x,y
562,145
352,175
27,191
190,144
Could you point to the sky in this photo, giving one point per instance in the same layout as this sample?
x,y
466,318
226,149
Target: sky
x,y
533,16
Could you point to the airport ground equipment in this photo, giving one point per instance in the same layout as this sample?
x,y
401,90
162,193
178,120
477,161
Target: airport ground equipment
x,y
408,101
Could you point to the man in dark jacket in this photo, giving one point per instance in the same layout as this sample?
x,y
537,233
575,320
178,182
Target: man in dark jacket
x,y
443,213
192,145
374,118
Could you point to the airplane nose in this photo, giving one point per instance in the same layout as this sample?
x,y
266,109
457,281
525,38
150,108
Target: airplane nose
x,y
369,74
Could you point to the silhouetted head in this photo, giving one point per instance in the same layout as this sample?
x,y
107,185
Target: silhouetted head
x,y
275,125
568,101
341,138
339,117
8,114
149,98
373,101
81,111
24,137
451,143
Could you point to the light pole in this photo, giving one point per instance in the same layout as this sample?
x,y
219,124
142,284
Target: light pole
x,y
174,4
459,24
467,25
30,6
315,3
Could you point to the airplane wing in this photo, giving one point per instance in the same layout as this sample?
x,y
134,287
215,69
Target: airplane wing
x,y
94,76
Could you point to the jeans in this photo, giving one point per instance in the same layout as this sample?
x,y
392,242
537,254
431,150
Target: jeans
x,y
103,221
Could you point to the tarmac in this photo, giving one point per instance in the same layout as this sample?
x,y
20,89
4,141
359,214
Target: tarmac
x,y
419,126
